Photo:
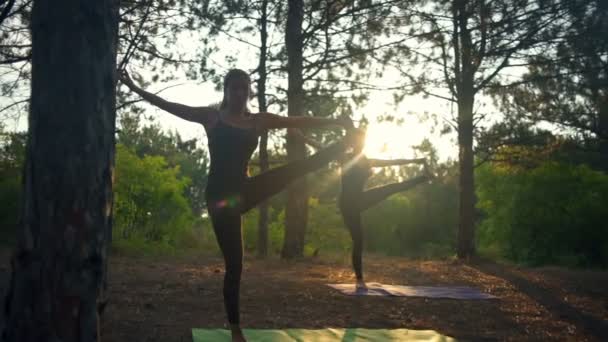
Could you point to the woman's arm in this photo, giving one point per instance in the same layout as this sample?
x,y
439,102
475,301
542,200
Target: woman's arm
x,y
202,115
270,121
382,163
303,138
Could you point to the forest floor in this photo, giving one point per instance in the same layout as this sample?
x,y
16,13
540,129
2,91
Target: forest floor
x,y
162,299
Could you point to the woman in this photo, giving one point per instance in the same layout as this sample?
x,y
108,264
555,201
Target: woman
x,y
353,199
233,133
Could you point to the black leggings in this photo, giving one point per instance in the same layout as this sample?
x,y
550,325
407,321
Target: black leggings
x,y
352,207
226,211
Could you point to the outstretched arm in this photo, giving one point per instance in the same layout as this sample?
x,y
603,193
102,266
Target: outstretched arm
x,y
270,121
303,138
202,115
382,163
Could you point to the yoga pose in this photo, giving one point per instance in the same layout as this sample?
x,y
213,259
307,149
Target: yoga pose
x,y
353,199
233,133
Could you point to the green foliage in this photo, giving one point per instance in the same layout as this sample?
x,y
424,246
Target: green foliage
x,y
421,222
276,231
148,199
151,140
12,155
196,240
552,214
567,84
326,231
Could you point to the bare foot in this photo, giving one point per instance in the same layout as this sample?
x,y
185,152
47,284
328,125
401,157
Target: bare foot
x,y
361,285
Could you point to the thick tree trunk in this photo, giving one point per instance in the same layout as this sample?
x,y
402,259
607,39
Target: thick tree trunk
x,y
60,263
296,213
263,207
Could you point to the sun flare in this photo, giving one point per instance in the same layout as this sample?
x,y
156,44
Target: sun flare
x,y
386,140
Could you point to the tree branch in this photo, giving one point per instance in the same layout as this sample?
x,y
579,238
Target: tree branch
x,y
6,10
14,104
135,40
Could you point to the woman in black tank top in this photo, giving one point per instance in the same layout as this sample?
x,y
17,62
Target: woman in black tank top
x,y
232,138
353,199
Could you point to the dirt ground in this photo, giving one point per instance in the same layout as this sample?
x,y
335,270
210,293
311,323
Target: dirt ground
x,y
162,299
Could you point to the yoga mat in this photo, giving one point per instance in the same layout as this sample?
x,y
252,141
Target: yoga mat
x,y
324,335
377,289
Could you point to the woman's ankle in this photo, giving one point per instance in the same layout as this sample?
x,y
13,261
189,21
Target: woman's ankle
x,y
237,333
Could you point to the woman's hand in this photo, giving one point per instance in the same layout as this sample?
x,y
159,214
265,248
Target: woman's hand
x,y
355,137
346,122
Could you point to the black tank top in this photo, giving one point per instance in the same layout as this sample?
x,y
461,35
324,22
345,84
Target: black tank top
x,y
354,177
230,149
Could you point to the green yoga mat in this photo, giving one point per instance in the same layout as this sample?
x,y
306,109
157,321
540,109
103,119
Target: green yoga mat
x,y
324,335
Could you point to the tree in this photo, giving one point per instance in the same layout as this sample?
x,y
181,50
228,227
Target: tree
x,y
471,43
262,104
12,155
148,32
567,85
328,45
149,201
59,268
545,213
192,160
296,213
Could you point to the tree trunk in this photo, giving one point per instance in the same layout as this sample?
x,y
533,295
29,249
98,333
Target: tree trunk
x,y
466,99
296,213
263,207
59,266
603,132
466,223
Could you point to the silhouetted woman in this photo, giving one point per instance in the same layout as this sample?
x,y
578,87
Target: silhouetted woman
x,y
353,199
233,133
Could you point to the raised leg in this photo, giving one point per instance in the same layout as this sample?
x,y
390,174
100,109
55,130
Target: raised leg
x,y
374,196
269,183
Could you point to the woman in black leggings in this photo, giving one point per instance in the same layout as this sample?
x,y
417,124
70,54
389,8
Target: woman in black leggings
x,y
353,199
233,133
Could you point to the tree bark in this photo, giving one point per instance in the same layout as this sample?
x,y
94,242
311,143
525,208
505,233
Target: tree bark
x,y
466,223
603,131
59,266
466,99
296,212
264,164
